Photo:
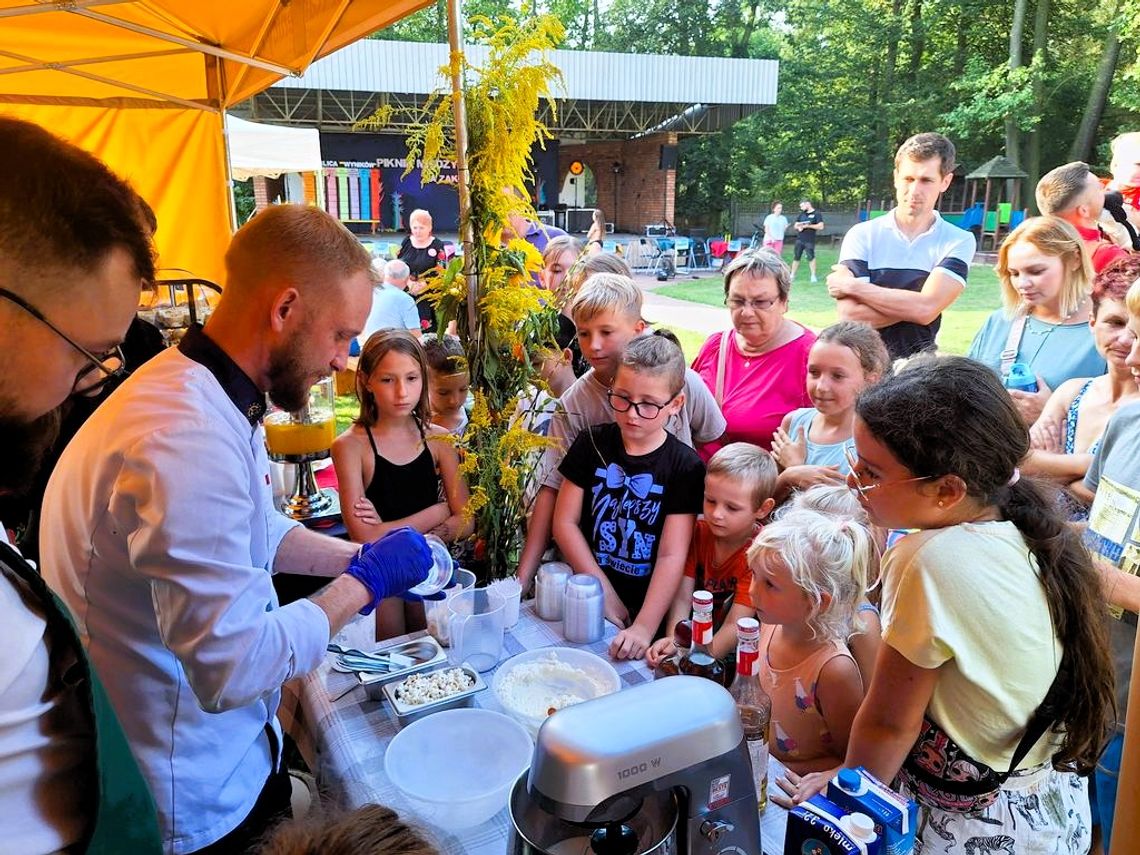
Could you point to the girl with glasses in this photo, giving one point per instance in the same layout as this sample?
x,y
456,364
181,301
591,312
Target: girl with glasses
x,y
993,687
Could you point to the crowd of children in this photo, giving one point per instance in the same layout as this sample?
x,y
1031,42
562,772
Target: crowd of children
x,y
924,460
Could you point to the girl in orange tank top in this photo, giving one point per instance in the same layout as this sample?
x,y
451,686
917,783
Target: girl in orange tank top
x,y
809,577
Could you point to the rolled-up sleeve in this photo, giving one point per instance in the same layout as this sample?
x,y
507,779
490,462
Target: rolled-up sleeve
x,y
191,535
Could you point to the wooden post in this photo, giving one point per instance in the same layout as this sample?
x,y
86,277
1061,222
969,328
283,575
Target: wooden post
x,y
463,177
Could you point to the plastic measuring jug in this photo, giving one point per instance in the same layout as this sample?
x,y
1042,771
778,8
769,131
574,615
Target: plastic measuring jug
x,y
476,622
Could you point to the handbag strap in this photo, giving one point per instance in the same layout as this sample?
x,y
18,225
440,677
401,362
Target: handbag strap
x,y
721,360
1012,343
1041,720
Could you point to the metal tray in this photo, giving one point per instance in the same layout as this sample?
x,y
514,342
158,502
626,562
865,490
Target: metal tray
x,y
374,680
407,713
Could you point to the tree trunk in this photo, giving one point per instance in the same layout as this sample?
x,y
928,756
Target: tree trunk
x,y
1033,144
962,43
744,36
917,42
882,144
873,107
1098,95
1016,34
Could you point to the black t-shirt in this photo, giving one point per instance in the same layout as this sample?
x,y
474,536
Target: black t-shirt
x,y
419,261
626,500
807,236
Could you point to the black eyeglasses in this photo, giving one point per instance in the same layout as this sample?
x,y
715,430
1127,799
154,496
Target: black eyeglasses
x,y
645,409
111,364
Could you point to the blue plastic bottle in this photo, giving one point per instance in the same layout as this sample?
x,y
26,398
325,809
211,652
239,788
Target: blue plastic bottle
x,y
1021,377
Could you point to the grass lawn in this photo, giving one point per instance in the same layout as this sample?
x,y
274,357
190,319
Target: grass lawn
x,y
810,305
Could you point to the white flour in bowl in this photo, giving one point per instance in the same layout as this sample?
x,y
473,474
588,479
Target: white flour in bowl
x,y
540,688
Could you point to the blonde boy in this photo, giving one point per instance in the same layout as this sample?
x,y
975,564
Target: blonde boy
x,y
739,484
607,313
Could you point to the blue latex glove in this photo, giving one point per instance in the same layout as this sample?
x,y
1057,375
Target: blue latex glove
x,y
388,567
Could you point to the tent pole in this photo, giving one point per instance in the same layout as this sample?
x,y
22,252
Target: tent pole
x,y
459,113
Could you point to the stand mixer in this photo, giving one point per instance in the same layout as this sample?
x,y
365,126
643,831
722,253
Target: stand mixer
x,y
302,437
658,769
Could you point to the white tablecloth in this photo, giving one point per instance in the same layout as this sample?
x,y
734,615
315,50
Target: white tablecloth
x,y
344,739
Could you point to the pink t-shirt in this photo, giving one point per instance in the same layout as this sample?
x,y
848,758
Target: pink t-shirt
x,y
758,390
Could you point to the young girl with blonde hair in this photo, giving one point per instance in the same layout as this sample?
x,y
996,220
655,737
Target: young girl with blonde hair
x,y
809,578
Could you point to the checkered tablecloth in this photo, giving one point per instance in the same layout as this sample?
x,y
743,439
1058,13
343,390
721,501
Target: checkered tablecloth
x,y
344,736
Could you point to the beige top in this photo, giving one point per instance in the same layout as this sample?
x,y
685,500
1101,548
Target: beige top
x,y
968,600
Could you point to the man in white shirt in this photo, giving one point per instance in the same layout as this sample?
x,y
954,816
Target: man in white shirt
x,y
901,271
159,531
392,306
73,257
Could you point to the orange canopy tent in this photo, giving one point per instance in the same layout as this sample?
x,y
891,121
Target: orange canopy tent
x,y
144,84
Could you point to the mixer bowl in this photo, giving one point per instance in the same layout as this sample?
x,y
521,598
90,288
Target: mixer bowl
x,y
534,831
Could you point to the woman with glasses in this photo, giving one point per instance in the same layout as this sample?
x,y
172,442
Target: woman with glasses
x,y
757,370
993,687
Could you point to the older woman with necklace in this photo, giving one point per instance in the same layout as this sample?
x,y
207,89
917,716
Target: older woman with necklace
x,y
1046,277
1069,431
757,371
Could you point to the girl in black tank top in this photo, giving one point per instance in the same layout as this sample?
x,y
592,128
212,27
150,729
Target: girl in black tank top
x,y
391,470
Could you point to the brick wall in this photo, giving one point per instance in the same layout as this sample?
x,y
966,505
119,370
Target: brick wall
x,y
266,191
644,193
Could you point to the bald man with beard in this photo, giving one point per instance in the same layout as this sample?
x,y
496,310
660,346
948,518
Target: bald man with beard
x,y
159,531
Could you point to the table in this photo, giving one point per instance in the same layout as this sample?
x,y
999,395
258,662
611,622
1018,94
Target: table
x,y
343,737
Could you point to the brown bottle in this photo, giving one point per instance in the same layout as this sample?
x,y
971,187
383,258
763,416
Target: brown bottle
x,y
682,639
700,662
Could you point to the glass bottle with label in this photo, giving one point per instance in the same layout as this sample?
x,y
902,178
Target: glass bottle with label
x,y
700,662
682,639
752,702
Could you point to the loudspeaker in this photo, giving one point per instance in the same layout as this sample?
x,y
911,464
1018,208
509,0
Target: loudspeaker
x,y
668,159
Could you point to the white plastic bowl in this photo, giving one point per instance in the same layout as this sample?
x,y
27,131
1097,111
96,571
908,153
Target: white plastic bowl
x,y
455,768
597,667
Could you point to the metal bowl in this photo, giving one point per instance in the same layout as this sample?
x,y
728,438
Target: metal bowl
x,y
407,713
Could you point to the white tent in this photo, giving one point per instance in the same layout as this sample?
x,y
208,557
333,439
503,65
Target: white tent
x,y
270,150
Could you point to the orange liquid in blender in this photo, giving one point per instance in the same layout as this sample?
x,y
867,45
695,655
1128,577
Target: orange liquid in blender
x,y
287,439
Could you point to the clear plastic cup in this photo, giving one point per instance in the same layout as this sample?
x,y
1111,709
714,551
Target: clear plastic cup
x,y
441,569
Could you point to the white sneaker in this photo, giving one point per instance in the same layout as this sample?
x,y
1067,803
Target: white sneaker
x,y
814,280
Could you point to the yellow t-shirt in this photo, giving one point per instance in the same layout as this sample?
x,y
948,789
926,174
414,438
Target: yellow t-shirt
x,y
967,599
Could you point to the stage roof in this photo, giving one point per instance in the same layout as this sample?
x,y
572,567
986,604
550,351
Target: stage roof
x,y
604,96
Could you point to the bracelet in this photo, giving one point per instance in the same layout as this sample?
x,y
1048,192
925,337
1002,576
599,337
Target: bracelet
x,y
595,240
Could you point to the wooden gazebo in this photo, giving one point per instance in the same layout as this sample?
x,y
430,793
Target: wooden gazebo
x,y
996,168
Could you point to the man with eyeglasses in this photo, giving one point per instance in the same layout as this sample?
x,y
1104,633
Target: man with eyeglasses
x,y
74,255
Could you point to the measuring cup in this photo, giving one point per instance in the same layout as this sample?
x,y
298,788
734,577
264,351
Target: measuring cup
x,y
476,628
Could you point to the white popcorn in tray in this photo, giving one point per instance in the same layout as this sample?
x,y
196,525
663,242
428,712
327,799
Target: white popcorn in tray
x,y
421,689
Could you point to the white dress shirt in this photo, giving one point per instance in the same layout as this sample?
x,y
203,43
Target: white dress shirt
x,y
45,735
159,532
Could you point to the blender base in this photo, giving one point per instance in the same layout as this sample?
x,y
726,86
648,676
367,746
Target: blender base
x,y
322,507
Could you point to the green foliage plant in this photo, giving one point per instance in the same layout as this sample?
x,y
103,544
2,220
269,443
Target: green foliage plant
x,y
513,319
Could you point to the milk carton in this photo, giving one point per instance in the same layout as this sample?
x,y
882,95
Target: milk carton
x,y
820,827
896,818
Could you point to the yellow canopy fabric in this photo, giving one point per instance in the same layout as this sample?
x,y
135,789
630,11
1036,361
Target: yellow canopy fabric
x,y
144,84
